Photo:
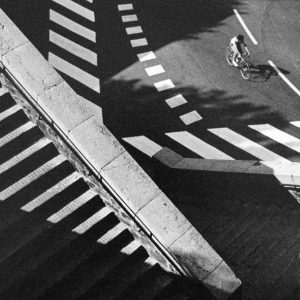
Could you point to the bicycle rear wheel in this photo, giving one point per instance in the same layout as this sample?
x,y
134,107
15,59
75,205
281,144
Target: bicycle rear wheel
x,y
245,70
229,56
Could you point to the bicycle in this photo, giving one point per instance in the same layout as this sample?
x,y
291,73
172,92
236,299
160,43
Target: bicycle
x,y
243,65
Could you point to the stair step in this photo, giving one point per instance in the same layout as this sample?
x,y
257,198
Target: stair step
x,y
93,268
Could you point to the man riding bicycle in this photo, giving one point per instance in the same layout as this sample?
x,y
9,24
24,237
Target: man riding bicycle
x,y
236,44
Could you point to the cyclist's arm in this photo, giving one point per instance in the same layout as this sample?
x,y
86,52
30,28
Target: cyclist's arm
x,y
247,51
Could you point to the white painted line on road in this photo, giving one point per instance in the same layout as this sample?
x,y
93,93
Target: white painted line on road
x,y
143,144
176,101
146,56
245,27
72,26
10,111
24,154
93,220
77,8
198,146
296,123
74,72
139,42
37,173
154,70
284,78
164,85
247,145
134,30
51,192
91,1
122,7
15,133
112,234
129,18
73,48
190,117
72,206
278,136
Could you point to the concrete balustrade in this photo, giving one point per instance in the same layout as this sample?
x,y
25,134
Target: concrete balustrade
x,y
152,217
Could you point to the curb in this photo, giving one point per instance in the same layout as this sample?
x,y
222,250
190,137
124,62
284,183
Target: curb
x,y
71,115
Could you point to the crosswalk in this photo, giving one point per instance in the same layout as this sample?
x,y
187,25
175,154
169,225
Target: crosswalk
x,y
82,47
256,149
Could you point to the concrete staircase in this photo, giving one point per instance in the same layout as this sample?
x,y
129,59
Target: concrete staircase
x,y
57,238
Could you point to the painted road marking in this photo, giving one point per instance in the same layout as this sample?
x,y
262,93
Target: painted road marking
x,y
146,56
129,18
51,192
154,70
73,48
198,146
278,136
143,144
245,27
247,145
72,26
112,233
72,206
134,30
122,7
37,173
176,101
24,154
164,85
15,133
296,123
93,220
78,9
139,42
190,117
74,72
10,111
284,78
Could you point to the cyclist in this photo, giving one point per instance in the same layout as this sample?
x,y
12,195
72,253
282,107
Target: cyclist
x,y
236,44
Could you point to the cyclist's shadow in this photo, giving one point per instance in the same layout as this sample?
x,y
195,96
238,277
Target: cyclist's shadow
x,y
264,72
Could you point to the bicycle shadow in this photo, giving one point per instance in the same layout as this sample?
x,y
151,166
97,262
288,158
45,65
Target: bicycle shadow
x,y
264,72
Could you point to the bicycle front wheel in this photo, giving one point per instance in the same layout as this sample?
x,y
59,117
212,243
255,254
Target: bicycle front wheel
x,y
229,56
245,70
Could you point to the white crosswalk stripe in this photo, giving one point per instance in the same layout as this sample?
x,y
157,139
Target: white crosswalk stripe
x,y
122,7
198,146
154,70
72,26
278,135
134,30
247,145
139,42
191,117
145,56
176,101
296,123
129,18
74,72
164,85
78,9
73,48
112,234
144,144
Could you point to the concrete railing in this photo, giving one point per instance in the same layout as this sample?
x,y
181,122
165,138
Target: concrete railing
x,y
151,216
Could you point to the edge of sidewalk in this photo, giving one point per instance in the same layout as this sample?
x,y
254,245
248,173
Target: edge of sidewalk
x,y
147,204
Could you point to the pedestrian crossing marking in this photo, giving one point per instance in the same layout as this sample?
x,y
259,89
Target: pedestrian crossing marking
x,y
164,85
73,48
176,101
144,144
146,56
245,144
278,135
129,18
139,42
10,111
134,30
72,26
77,8
154,70
198,146
190,118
